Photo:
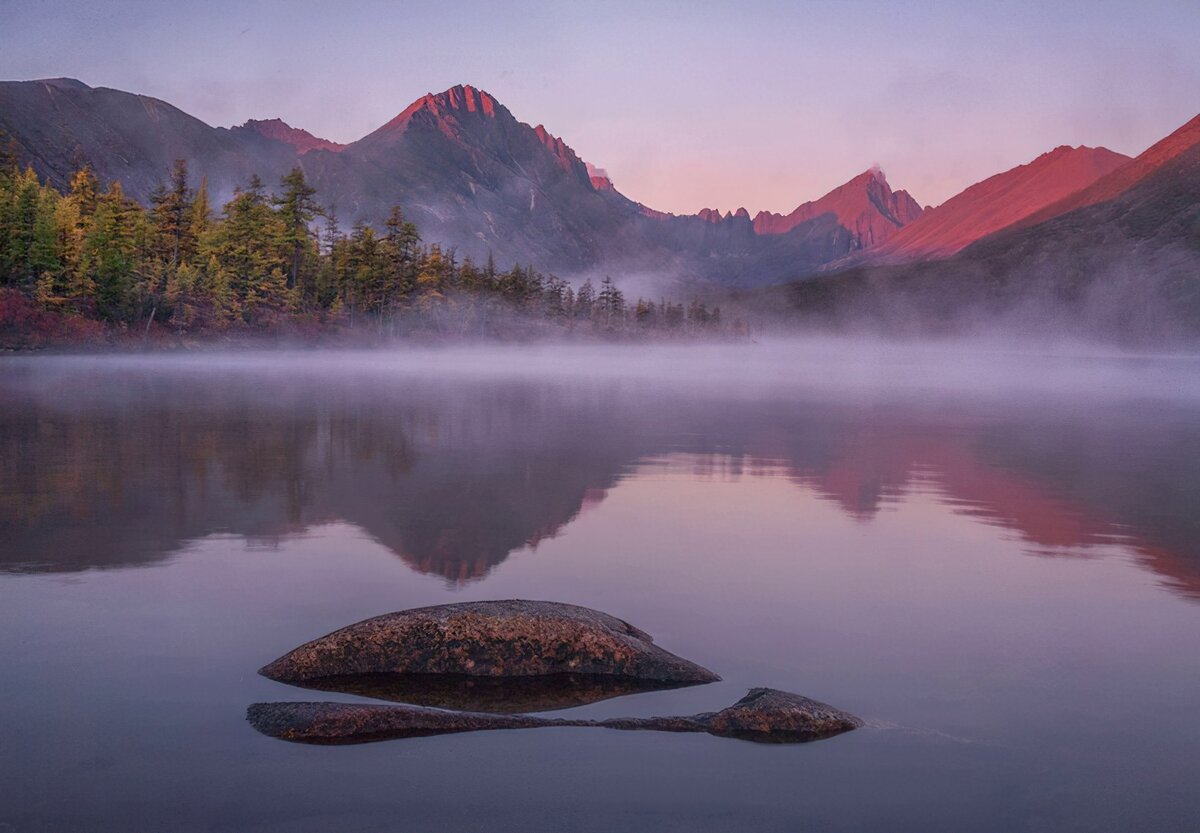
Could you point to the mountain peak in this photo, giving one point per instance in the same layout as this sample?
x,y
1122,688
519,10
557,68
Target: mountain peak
x,y
64,83
1117,180
461,98
714,215
281,131
1001,200
598,177
865,205
447,111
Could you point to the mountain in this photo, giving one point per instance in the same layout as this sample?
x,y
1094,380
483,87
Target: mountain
x,y
281,131
60,122
464,169
865,205
1124,264
998,202
468,172
1117,181
472,175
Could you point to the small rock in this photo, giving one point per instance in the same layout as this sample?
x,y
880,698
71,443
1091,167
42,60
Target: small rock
x,y
768,715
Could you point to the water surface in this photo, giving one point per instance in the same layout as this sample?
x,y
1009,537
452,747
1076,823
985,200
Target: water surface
x,y
992,557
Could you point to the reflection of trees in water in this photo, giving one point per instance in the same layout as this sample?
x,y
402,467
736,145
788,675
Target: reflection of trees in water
x,y
453,484
116,488
453,478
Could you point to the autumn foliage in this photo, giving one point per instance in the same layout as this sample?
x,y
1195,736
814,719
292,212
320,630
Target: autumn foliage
x,y
91,264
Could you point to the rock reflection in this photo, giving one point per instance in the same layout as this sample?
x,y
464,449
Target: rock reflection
x,y
549,692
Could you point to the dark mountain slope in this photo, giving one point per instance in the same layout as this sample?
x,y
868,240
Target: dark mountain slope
x,y
462,167
278,129
1125,268
467,172
60,122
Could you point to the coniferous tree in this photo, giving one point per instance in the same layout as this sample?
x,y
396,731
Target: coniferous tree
x,y
489,272
172,206
23,222
610,301
108,253
251,248
10,157
9,174
73,288
85,192
400,254
200,215
585,299
92,251
297,208
369,289
43,247
332,232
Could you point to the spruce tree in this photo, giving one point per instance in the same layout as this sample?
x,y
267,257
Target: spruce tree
x,y
297,208
108,254
172,206
585,299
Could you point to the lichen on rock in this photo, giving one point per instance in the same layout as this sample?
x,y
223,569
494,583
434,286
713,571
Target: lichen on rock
x,y
513,638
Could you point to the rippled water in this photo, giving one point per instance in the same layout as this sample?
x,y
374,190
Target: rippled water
x,y
993,558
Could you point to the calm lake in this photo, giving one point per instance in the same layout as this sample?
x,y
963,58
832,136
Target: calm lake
x,y
992,557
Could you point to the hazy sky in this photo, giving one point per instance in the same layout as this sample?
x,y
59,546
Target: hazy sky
x,y
687,104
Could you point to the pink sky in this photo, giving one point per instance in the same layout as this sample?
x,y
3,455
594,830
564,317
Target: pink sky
x,y
756,104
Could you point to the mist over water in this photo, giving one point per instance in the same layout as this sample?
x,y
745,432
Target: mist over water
x,y
990,554
768,366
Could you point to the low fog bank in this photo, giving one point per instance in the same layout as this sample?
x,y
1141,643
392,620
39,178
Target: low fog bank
x,y
812,366
1097,274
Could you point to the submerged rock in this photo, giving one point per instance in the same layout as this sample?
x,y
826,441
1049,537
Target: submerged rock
x,y
488,639
764,715
343,723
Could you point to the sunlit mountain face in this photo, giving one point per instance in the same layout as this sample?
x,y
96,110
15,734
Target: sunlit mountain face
x,y
454,476
1116,259
998,202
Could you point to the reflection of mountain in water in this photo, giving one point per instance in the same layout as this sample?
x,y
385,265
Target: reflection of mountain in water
x,y
1062,483
453,478
126,481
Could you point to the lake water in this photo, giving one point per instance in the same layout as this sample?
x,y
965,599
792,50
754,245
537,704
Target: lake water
x,y
993,558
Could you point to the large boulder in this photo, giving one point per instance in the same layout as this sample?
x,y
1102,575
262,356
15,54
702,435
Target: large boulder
x,y
514,638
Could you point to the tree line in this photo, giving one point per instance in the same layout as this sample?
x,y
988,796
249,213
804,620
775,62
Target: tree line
x,y
272,260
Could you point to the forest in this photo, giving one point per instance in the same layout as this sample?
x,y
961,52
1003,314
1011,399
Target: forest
x,y
90,265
